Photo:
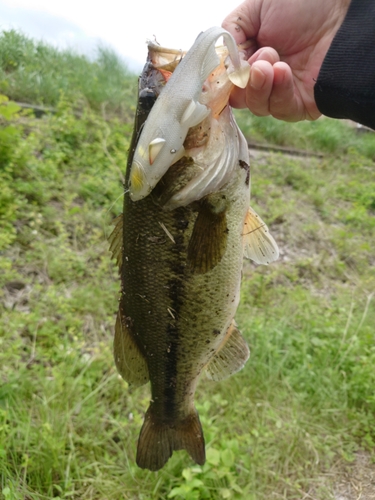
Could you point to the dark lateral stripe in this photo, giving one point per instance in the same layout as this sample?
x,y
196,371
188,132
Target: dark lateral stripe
x,y
176,295
171,373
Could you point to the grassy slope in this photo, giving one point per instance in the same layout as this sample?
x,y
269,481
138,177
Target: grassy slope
x,y
37,73
69,425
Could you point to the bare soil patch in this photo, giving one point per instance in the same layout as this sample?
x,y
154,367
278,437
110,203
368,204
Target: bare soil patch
x,y
356,480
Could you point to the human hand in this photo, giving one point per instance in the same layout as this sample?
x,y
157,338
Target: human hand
x,y
292,38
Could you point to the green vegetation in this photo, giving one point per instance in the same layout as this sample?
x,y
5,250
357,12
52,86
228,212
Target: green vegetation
x,y
37,73
304,402
324,135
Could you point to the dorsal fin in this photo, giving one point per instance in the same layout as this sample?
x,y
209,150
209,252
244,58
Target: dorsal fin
x,y
115,241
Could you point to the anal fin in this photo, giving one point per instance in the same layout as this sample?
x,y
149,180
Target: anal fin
x,y
129,361
157,441
231,356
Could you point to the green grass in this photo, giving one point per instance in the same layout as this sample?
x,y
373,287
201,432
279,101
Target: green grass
x,y
324,135
279,429
34,72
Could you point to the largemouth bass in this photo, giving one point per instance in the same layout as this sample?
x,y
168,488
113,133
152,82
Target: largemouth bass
x,y
180,251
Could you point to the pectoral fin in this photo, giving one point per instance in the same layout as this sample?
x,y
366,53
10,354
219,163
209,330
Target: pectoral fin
x,y
194,113
115,241
129,361
208,240
259,243
231,357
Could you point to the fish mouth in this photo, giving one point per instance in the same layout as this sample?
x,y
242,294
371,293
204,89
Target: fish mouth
x,y
139,188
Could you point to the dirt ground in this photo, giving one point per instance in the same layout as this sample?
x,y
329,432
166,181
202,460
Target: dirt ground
x,y
357,480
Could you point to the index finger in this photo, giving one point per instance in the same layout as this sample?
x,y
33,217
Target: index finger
x,y
244,21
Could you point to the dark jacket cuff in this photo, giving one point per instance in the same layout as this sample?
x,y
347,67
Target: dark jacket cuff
x,y
345,87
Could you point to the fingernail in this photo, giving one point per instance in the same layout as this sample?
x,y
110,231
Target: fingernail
x,y
257,78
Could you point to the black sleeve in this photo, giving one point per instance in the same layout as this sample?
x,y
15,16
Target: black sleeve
x,y
346,83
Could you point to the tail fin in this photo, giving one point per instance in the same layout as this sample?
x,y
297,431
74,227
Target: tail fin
x,y
157,441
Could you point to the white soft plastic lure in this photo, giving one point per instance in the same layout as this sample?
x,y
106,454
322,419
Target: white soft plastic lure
x,y
178,108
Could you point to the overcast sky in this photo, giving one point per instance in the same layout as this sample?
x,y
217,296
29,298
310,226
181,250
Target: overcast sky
x,y
124,25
